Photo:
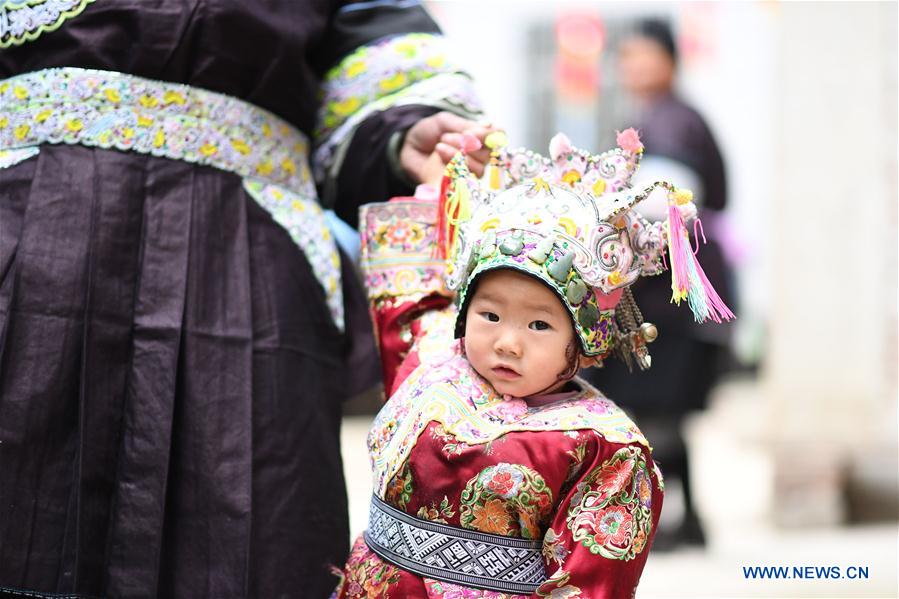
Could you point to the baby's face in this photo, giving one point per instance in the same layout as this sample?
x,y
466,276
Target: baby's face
x,y
517,333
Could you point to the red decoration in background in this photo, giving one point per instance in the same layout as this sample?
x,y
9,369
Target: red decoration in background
x,y
580,40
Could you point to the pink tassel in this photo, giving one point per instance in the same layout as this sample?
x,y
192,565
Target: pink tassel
x,y
697,224
680,278
688,280
718,310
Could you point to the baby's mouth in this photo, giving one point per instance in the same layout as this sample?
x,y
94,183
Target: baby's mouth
x,y
505,372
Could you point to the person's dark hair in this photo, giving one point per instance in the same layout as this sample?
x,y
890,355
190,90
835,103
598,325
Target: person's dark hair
x,y
659,31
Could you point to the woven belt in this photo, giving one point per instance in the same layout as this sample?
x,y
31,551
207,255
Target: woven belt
x,y
451,554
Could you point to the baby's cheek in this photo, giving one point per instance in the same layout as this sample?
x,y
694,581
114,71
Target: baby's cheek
x,y
475,355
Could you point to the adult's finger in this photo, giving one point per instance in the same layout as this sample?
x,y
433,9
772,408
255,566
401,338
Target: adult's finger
x,y
455,140
453,122
445,151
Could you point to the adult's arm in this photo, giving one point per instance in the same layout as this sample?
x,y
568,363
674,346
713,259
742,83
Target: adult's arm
x,y
384,67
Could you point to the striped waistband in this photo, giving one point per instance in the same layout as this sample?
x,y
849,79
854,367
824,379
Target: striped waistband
x,y
451,554
115,110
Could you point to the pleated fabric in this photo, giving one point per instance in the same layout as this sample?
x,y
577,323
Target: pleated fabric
x,y
170,386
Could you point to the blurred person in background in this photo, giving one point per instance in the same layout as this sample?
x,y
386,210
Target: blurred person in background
x,y
688,359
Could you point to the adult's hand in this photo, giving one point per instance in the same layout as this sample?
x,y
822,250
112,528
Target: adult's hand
x,y
433,141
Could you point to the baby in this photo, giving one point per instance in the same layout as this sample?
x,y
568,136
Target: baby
x,y
498,472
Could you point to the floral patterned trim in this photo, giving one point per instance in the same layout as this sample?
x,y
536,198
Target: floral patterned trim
x,y
453,92
115,110
10,158
432,347
454,395
26,20
379,70
611,509
396,258
304,220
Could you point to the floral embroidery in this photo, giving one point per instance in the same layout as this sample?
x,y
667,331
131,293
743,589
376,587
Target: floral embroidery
x,y
488,516
398,71
436,513
553,547
557,587
304,220
396,249
577,462
377,70
611,512
451,447
448,590
399,491
25,20
506,499
10,158
404,234
366,575
115,110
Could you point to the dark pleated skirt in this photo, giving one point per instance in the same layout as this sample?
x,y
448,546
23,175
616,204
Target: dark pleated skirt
x,y
170,386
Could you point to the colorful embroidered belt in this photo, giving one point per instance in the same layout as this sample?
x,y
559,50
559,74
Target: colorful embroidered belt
x,y
452,554
118,111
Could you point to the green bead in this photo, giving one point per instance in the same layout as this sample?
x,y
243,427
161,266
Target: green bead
x,y
560,268
539,254
512,246
472,258
587,315
488,245
576,292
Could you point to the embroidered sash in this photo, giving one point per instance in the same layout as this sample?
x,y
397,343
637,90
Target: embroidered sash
x,y
118,111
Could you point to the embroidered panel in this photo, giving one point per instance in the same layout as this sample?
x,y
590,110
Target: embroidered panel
x,y
611,510
507,499
26,20
397,241
378,70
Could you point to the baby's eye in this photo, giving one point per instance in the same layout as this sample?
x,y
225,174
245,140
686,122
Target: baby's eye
x,y
539,325
490,316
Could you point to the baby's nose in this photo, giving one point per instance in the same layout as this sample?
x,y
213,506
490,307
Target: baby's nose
x,y
508,344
